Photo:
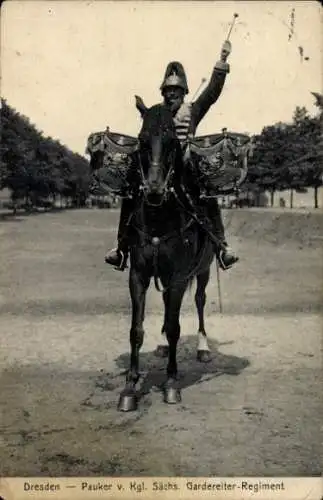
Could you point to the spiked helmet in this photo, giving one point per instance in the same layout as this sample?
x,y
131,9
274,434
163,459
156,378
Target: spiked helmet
x,y
175,76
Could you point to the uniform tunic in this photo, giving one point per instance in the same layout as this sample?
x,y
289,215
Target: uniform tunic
x,y
188,116
186,121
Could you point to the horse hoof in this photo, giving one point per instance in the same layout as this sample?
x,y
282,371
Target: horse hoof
x,y
128,402
162,351
203,356
172,395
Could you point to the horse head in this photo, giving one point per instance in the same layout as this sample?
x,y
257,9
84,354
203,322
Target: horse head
x,y
159,154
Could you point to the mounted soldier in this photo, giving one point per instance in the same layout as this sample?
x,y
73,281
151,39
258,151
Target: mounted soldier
x,y
187,117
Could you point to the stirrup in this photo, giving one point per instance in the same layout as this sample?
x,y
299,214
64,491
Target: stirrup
x,y
224,266
123,264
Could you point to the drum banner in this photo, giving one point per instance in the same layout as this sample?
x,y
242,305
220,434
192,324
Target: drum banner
x,y
112,157
219,162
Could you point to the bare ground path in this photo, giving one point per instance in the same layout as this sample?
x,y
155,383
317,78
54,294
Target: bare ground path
x,y
64,319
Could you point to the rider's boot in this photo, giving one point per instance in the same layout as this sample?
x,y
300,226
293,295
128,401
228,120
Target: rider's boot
x,y
118,257
224,253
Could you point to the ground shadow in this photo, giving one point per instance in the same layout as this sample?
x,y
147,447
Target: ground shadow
x,y
191,371
62,307
21,215
289,306
111,304
10,217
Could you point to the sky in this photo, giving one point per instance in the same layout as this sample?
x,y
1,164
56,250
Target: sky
x,y
73,67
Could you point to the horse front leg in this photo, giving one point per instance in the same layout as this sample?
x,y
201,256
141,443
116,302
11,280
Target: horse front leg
x,y
162,348
203,351
173,301
138,286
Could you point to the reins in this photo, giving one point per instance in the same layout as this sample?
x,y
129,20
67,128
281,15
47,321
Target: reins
x,y
143,187
194,216
189,210
156,241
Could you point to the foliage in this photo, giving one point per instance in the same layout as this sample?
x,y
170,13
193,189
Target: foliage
x,y
288,155
35,167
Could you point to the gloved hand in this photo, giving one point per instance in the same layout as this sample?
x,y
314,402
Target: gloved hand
x,y
222,65
226,50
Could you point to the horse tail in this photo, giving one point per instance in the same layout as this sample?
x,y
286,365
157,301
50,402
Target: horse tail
x,y
158,285
190,283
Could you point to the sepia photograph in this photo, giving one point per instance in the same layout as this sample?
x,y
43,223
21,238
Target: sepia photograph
x,y
161,234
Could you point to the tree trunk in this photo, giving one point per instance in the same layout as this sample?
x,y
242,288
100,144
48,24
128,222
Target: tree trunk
x,y
291,199
272,196
248,198
316,199
27,203
258,199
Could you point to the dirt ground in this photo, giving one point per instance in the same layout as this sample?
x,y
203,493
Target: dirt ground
x,y
255,410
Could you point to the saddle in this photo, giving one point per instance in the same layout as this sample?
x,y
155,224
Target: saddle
x,y
217,162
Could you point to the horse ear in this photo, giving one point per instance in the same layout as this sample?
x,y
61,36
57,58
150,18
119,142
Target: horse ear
x,y
140,105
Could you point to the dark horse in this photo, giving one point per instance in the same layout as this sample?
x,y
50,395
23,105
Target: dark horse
x,y
167,244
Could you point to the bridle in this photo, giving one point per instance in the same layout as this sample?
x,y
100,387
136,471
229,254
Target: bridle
x,y
168,190
167,185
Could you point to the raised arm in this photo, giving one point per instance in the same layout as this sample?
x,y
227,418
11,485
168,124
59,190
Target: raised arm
x,y
214,89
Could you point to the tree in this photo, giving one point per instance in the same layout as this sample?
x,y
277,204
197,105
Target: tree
x,y
318,100
289,156
35,167
266,170
305,167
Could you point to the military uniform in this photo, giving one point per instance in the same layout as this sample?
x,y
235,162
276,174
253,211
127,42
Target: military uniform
x,y
189,115
186,119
